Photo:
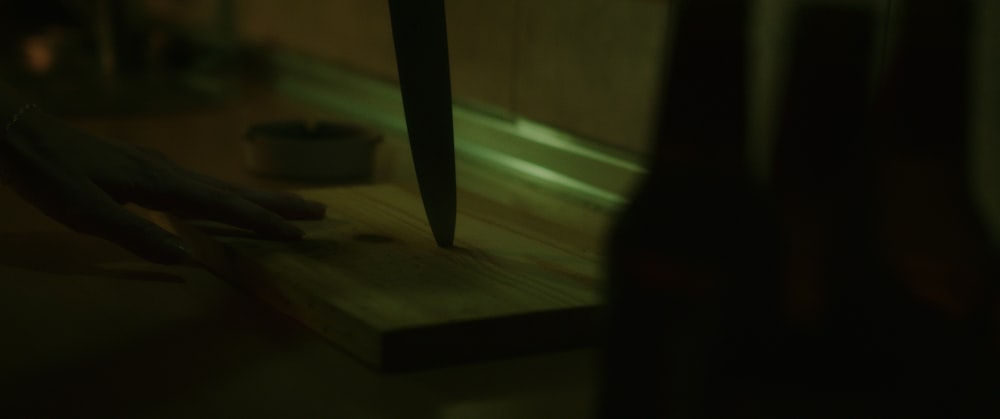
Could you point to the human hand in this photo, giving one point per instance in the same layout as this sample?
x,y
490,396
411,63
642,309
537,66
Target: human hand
x,y
83,181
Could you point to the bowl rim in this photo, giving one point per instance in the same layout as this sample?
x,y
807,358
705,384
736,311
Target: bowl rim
x,y
280,131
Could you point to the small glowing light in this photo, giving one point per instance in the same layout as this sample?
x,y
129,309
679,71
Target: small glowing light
x,y
39,54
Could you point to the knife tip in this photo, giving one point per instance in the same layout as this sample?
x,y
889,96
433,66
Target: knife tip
x,y
445,242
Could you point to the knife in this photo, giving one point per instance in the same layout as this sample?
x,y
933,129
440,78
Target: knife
x,y
421,42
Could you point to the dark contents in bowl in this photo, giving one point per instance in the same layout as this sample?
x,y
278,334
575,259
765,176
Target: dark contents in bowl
x,y
301,130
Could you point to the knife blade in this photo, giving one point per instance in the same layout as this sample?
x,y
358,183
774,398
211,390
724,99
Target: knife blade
x,y
421,42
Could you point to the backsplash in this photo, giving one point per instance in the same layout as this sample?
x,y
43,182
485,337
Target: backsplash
x,y
589,67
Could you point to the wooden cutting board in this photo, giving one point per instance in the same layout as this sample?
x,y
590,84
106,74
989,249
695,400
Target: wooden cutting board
x,y
370,279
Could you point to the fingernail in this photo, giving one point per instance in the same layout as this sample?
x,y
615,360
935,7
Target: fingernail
x,y
317,208
174,252
181,247
292,196
291,231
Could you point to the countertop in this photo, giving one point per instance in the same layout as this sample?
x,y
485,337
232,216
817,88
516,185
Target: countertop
x,y
93,331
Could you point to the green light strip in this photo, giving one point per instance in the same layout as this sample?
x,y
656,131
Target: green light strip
x,y
379,103
535,171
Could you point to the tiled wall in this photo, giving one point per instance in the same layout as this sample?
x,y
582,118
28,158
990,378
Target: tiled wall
x,y
586,66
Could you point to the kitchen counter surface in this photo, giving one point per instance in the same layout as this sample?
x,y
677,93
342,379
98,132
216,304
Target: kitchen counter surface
x,y
90,330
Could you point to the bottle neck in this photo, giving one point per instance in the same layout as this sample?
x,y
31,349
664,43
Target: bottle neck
x,y
702,118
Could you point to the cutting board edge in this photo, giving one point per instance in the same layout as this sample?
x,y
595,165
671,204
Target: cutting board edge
x,y
485,339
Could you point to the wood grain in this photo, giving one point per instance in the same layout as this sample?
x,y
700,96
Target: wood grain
x,y
370,278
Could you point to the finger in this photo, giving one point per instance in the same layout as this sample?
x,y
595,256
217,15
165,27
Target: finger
x,y
84,207
194,199
87,210
286,204
143,238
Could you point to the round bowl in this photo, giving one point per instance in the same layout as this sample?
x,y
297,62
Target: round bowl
x,y
297,150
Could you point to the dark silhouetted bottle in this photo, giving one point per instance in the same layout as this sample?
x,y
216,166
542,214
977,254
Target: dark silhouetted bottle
x,y
859,281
